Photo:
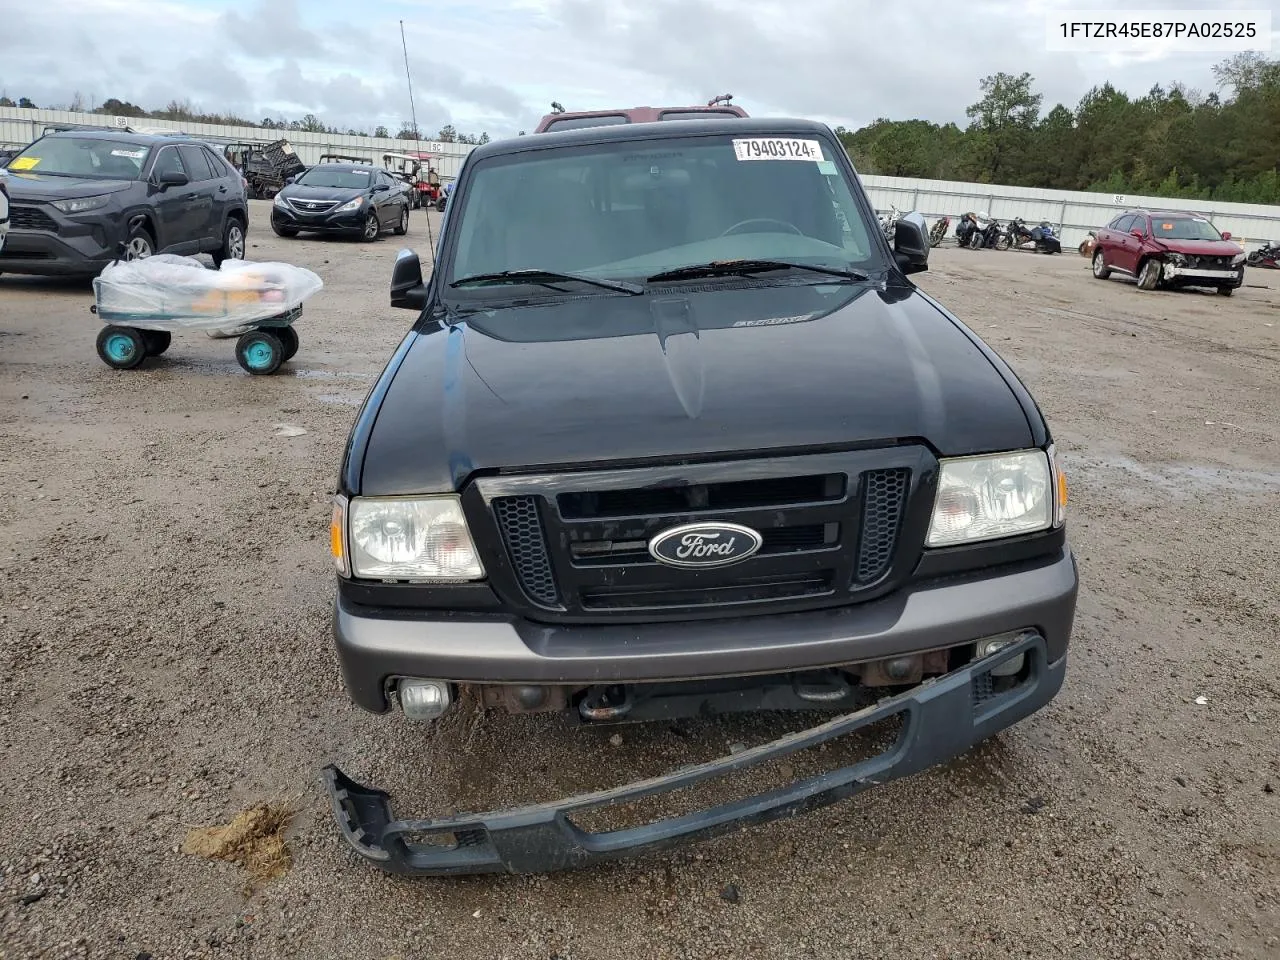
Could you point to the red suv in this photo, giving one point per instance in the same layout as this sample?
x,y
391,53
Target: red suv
x,y
718,107
1168,249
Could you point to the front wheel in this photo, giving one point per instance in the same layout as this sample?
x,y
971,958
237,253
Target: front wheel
x,y
260,352
1100,269
122,348
1226,291
369,233
157,341
289,340
1149,275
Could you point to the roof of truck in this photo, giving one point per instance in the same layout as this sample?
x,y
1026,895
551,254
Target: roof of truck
x,y
659,130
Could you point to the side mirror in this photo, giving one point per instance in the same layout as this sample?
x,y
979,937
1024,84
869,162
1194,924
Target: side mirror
x,y
911,243
1226,234
1137,234
407,289
173,178
380,188
291,178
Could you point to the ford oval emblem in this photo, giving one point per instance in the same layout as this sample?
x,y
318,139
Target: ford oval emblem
x,y
698,545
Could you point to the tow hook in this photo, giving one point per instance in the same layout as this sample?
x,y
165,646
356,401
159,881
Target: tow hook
x,y
606,703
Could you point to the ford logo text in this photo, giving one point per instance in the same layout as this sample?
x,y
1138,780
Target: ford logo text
x,y
698,545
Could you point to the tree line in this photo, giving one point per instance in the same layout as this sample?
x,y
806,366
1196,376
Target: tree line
x,y
184,110
1172,142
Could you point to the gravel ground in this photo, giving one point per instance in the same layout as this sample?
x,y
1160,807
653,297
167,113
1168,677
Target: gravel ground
x,y
165,664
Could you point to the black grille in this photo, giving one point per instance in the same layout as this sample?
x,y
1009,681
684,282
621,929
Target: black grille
x,y
31,218
1209,263
884,494
578,544
522,529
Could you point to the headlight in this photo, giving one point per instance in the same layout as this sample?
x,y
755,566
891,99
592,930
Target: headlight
x,y
351,205
982,498
281,202
82,204
410,538
1237,259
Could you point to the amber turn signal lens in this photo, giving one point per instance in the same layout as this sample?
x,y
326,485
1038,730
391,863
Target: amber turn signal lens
x,y
337,538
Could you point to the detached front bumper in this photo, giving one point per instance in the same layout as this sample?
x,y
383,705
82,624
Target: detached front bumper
x,y
941,719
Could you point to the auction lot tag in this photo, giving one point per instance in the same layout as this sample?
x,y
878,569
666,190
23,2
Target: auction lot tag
x,y
24,163
778,148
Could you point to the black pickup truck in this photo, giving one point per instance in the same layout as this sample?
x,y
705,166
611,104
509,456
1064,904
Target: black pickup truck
x,y
675,433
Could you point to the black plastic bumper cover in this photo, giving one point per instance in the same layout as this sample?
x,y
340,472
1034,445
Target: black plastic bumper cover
x,y
941,719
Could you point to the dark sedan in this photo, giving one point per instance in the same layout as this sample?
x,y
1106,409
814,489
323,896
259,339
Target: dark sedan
x,y
341,198
82,198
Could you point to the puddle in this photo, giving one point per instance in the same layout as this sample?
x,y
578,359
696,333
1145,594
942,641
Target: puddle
x,y
1178,479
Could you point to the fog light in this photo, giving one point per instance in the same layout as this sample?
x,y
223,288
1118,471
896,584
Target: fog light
x,y
899,668
424,699
988,646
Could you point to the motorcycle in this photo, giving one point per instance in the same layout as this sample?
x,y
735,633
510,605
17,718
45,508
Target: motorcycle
x,y
978,230
1266,256
939,231
1040,238
889,222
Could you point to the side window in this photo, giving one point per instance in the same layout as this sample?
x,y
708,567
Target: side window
x,y
216,164
1122,224
193,159
167,160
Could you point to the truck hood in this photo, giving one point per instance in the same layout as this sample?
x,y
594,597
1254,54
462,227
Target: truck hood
x,y
34,186
694,372
1202,248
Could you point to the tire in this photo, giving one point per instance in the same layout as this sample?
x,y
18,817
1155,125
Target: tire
x,y
121,348
440,204
289,340
139,245
1226,291
1100,269
233,242
369,232
402,227
260,352
280,231
157,341
975,240
1003,242
1149,274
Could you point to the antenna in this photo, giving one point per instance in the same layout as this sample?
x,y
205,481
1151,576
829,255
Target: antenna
x,y
413,113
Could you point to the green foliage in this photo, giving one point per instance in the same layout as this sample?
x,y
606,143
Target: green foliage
x,y
1172,142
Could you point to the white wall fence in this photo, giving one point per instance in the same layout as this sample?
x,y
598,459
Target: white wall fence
x,y
19,126
1076,212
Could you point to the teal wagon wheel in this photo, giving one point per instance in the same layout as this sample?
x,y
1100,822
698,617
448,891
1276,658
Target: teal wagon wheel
x,y
260,352
121,347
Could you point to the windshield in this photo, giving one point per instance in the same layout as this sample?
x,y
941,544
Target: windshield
x,y
344,178
82,157
628,210
1184,228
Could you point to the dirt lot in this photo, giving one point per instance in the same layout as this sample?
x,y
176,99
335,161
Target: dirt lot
x,y
165,664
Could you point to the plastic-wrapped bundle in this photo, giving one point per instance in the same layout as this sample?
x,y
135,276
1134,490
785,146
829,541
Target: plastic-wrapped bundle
x,y
168,292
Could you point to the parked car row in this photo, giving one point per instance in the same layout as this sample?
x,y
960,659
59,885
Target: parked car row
x,y
75,200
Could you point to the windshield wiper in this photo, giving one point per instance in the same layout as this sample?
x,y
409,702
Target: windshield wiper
x,y
548,278
732,268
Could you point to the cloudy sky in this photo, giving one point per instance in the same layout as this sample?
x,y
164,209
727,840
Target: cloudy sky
x,y
495,65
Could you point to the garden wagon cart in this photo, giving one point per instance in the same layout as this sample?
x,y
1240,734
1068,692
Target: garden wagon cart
x,y
142,302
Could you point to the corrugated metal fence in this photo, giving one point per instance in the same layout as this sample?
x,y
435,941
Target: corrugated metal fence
x,y
1075,212
19,127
